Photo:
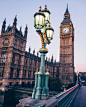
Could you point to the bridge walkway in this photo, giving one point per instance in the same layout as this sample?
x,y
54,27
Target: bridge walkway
x,y
80,100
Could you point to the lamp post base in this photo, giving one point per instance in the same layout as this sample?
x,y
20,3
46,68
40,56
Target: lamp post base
x,y
38,93
41,90
45,93
34,92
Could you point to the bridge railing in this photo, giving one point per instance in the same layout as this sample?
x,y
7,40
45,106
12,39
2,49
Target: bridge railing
x,y
65,98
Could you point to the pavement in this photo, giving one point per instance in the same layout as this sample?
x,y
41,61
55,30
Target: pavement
x,y
80,100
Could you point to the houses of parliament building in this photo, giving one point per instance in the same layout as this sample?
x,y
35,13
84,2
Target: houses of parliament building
x,y
18,67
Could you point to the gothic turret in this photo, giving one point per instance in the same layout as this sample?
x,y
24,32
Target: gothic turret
x,y
37,53
34,52
15,22
3,26
21,31
52,59
8,28
25,34
55,61
29,49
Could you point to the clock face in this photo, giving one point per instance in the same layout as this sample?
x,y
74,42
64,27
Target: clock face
x,y
65,30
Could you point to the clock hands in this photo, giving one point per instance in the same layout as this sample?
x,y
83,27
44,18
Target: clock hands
x,y
65,30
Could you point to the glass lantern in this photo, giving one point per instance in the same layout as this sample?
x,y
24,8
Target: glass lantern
x,y
39,18
47,14
49,32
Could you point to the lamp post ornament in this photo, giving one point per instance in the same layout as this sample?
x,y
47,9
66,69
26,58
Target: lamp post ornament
x,y
41,19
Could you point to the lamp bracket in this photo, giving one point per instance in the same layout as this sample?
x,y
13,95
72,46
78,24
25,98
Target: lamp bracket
x,y
45,37
40,34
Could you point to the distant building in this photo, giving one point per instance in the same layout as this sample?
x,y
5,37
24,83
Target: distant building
x,y
18,67
82,75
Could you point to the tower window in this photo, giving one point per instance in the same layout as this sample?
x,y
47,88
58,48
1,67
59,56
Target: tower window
x,y
13,59
18,71
3,57
63,50
19,59
63,69
63,42
6,41
67,42
15,44
1,72
24,74
67,78
21,46
67,69
63,77
11,73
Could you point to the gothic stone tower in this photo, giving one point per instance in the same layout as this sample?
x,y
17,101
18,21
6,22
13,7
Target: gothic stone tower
x,y
12,52
66,67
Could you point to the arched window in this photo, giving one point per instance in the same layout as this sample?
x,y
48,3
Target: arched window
x,y
6,41
3,57
21,46
67,42
63,42
1,71
15,44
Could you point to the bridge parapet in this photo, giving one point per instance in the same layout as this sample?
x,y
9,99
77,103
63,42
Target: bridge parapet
x,y
66,98
63,99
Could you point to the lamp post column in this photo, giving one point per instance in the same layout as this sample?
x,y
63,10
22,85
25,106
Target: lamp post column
x,y
77,78
45,92
36,83
43,52
38,89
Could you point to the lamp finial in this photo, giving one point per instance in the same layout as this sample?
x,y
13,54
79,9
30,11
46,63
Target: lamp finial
x,y
40,8
47,70
45,6
37,69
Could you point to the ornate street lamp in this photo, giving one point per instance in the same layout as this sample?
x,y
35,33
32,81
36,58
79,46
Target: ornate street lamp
x,y
41,19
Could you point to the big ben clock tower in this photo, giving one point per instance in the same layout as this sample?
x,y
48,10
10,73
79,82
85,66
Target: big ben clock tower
x,y
66,68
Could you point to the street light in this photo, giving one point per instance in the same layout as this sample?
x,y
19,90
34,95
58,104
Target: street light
x,y
41,19
49,32
47,14
77,77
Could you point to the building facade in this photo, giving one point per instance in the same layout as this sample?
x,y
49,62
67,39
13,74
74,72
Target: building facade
x,y
18,67
66,68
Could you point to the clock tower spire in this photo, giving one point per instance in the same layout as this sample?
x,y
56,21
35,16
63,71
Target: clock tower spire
x,y
66,68
67,14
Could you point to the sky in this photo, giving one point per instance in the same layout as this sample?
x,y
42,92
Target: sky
x,y
25,10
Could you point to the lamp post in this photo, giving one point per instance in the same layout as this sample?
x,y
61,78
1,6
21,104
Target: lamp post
x,y
41,19
77,77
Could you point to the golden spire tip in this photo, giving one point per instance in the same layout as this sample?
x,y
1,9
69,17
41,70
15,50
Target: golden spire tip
x,y
47,69
45,6
40,8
